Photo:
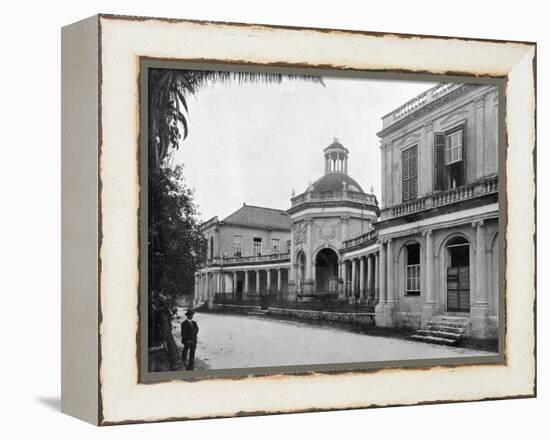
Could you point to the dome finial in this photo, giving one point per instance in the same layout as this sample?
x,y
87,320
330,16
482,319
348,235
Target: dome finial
x,y
335,140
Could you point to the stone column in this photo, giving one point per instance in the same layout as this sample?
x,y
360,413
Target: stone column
x,y
344,279
390,283
257,282
207,283
279,280
309,283
370,290
382,274
479,311
246,282
430,294
481,277
268,281
196,290
353,278
292,273
386,307
376,279
430,306
234,284
479,135
361,278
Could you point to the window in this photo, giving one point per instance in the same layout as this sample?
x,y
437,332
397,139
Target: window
x,y
237,245
275,245
453,147
211,247
449,159
412,270
257,246
409,173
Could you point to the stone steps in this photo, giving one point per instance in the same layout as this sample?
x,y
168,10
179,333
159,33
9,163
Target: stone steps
x,y
440,333
448,330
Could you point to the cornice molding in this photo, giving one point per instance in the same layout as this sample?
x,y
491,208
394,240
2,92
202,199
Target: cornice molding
x,y
425,109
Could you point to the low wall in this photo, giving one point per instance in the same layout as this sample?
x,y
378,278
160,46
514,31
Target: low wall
x,y
317,315
235,308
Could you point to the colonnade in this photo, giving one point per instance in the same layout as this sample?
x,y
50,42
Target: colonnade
x,y
210,282
360,277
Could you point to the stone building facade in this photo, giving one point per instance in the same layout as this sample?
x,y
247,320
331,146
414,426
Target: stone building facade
x,y
331,210
435,247
248,253
431,249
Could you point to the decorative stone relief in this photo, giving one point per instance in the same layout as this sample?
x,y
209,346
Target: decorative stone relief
x,y
327,231
479,102
300,233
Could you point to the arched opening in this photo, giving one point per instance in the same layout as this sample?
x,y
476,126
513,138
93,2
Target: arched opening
x,y
458,275
326,271
300,271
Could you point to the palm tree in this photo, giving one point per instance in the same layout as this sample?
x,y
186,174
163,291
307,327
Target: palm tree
x,y
169,90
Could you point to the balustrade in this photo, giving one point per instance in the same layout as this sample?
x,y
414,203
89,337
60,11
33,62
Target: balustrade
x,y
473,190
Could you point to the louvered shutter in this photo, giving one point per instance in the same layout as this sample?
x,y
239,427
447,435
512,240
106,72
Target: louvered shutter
x,y
413,172
405,175
463,163
439,161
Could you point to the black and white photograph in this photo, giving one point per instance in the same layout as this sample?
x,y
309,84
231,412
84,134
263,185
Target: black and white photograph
x,y
261,220
312,220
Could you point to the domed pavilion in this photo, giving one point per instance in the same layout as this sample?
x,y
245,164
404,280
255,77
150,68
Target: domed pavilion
x,y
331,210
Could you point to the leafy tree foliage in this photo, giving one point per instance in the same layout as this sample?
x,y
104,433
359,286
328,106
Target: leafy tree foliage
x,y
176,245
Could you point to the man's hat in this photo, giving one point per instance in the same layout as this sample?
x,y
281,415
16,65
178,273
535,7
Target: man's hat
x,y
189,313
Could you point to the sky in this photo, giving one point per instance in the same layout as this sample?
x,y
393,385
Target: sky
x,y
255,143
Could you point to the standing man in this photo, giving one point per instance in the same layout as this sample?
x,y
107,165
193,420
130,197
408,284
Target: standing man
x,y
189,331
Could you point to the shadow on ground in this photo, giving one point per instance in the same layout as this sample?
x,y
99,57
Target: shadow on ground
x,y
52,403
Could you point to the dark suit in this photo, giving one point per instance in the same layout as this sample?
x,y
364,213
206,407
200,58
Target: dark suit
x,y
189,332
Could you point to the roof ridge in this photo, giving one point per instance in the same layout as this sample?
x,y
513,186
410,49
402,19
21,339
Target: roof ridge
x,y
264,207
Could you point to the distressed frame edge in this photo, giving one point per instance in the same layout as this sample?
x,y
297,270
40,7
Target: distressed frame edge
x,y
533,152
80,220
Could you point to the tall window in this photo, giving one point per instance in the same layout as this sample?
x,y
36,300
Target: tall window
x,y
412,270
211,247
257,246
449,159
275,245
237,245
409,173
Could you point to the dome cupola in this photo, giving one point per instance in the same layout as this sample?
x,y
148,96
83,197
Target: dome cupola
x,y
336,158
335,188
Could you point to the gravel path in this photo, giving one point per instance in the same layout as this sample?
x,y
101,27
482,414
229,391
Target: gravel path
x,y
237,341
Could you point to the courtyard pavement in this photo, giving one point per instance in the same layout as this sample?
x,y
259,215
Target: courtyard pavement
x,y
240,341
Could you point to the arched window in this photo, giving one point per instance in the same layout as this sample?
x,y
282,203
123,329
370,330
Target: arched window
x,y
412,269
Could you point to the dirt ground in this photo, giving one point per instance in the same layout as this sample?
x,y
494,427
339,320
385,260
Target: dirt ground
x,y
240,341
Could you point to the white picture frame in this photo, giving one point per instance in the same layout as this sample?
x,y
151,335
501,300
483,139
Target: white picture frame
x,y
101,202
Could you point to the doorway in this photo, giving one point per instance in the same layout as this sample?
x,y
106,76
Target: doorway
x,y
326,271
458,275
